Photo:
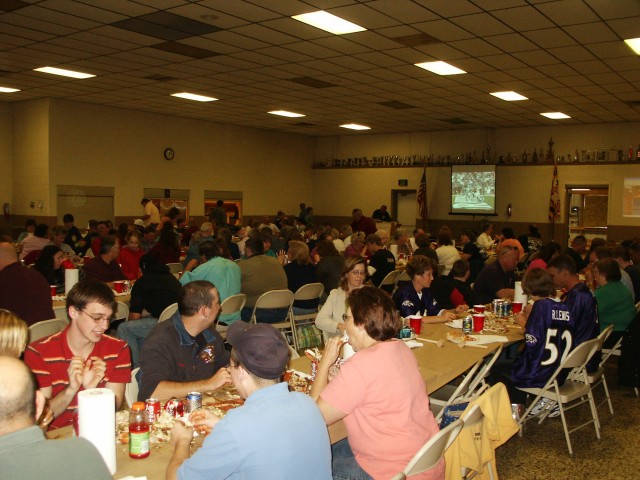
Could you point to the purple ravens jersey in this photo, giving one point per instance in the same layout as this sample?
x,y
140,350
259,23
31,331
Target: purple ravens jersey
x,y
408,302
548,340
584,318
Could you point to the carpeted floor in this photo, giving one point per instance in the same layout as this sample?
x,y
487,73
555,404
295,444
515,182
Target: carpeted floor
x,y
542,453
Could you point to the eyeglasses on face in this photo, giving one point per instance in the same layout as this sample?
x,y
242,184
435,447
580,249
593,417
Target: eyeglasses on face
x,y
356,272
99,319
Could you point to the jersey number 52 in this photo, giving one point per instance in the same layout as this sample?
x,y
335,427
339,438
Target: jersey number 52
x,y
553,349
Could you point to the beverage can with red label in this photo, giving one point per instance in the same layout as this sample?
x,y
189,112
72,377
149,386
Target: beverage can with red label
x,y
153,409
174,407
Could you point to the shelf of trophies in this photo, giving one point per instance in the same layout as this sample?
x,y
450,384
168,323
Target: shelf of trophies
x,y
602,156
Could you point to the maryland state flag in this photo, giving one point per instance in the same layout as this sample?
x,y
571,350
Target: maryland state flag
x,y
422,197
554,201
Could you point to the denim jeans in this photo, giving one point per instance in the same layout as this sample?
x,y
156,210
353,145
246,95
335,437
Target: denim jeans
x,y
134,332
343,463
265,315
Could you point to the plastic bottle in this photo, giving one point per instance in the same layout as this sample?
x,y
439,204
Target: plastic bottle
x,y
139,431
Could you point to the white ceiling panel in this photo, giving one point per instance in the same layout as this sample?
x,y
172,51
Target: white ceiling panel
x,y
561,54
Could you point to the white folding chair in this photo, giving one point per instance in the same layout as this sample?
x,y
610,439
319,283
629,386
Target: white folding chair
x,y
278,299
231,304
390,279
131,388
122,312
432,451
478,384
175,268
45,328
310,291
572,393
168,312
598,378
450,394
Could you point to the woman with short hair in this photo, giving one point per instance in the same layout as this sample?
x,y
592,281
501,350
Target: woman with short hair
x,y
379,392
300,271
615,301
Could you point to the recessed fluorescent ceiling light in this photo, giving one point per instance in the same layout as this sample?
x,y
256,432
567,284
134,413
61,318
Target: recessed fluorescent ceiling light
x,y
63,72
509,96
634,43
8,90
555,115
328,22
355,126
440,68
193,96
284,113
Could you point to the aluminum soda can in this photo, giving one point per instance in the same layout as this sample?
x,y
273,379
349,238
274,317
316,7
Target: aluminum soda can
x,y
467,324
496,307
193,402
174,407
153,409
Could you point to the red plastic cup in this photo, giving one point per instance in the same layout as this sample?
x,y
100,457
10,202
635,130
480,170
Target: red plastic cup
x,y
478,322
516,307
415,322
54,290
118,287
478,308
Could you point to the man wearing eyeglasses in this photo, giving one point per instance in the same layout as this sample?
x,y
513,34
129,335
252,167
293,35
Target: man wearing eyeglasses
x,y
81,356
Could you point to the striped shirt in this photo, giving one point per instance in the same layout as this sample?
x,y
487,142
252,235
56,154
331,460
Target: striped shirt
x,y
49,359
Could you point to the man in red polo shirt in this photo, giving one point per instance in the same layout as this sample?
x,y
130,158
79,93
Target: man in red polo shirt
x,y
81,356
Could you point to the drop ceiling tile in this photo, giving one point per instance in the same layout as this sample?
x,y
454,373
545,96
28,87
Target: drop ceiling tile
x,y
119,34
609,49
571,54
522,19
440,52
237,40
123,7
405,11
217,18
502,62
475,47
623,65
311,49
511,42
446,8
380,59
568,12
444,30
626,27
525,73
267,35
550,38
558,70
620,88
591,33
58,18
341,45
258,58
618,9
284,54
482,24
536,58
373,40
207,44
241,9
363,15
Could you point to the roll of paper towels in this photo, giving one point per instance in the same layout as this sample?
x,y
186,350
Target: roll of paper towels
x,y
70,279
394,249
97,422
519,295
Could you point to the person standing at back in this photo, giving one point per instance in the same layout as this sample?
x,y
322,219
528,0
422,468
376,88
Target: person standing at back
x,y
151,217
218,215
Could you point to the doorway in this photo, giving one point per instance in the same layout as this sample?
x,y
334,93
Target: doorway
x,y
404,207
588,211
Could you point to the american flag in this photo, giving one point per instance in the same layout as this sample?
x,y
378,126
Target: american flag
x,y
554,202
422,197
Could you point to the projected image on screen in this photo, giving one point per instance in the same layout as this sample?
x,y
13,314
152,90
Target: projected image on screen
x,y
473,189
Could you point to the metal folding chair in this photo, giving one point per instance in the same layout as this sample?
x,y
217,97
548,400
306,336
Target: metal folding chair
x,y
45,328
432,451
278,299
570,395
168,312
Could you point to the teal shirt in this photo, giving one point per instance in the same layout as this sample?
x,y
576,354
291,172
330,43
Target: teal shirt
x,y
224,274
615,306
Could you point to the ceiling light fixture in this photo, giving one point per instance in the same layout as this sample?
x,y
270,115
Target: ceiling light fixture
x,y
355,126
555,115
328,22
634,43
193,96
284,113
509,96
63,72
9,90
440,68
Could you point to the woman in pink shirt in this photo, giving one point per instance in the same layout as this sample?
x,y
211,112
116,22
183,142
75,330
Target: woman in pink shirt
x,y
548,252
379,393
